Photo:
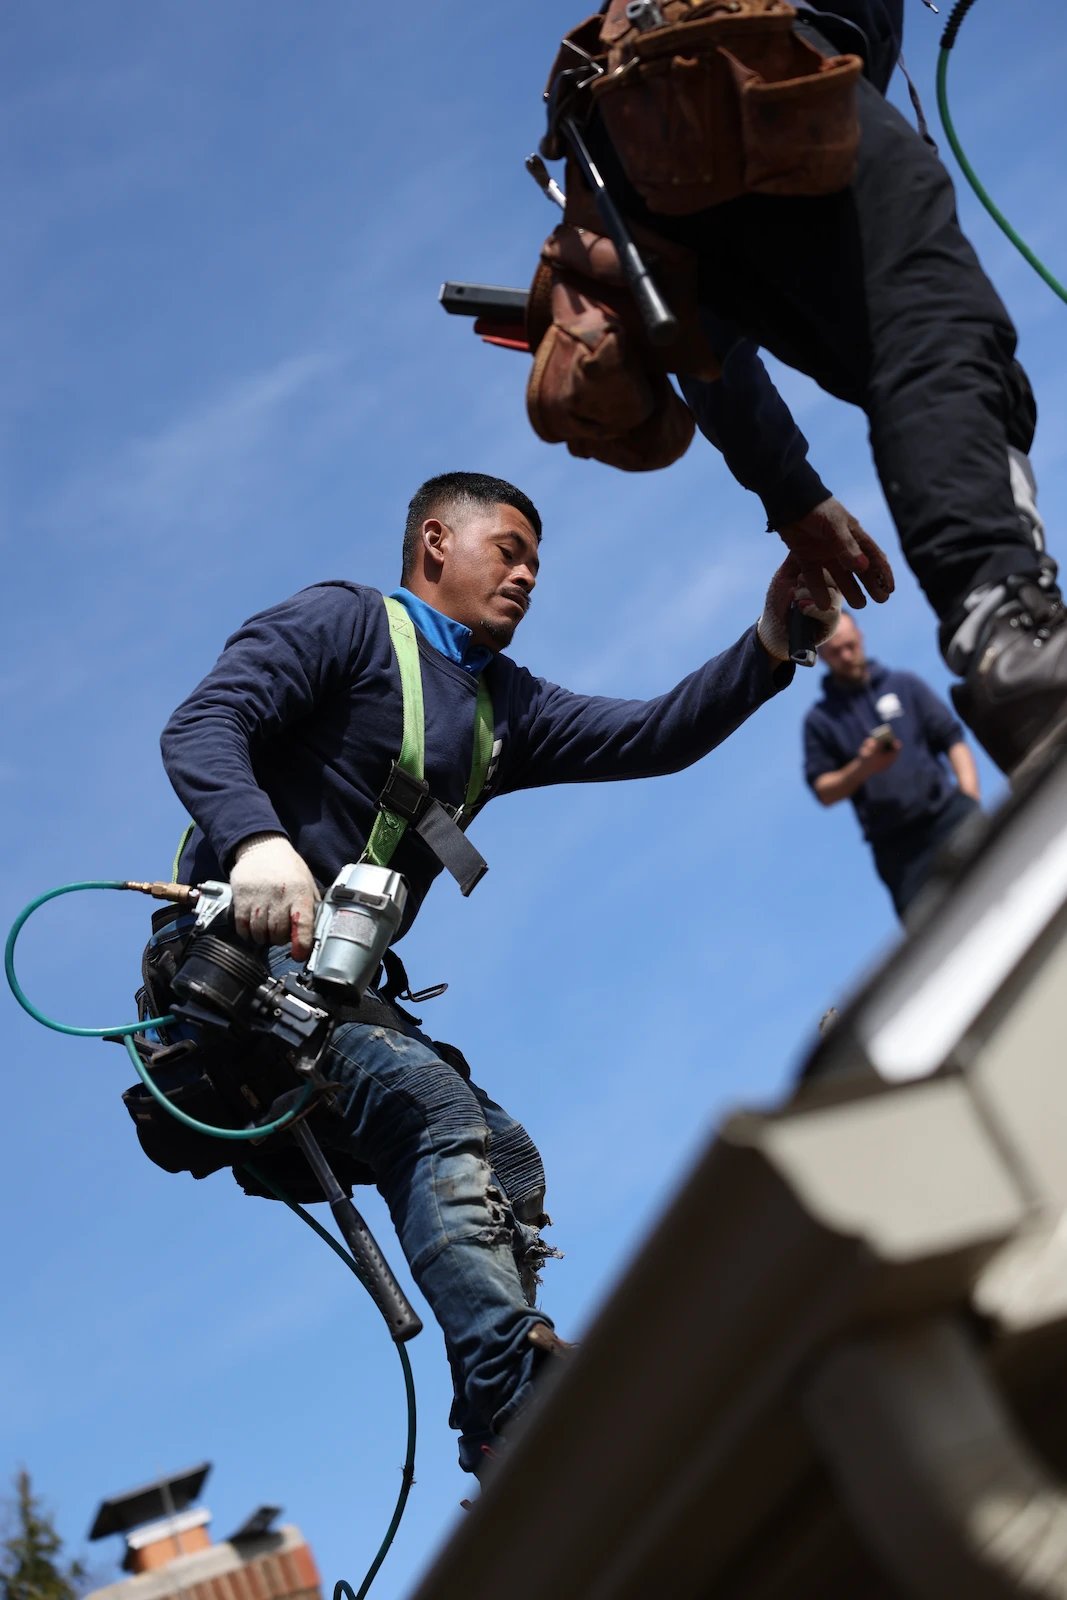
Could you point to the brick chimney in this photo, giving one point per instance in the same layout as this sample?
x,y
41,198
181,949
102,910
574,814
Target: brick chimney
x,y
169,1550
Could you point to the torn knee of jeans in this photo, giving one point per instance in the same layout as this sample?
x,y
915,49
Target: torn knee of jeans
x,y
531,1252
499,1215
499,1227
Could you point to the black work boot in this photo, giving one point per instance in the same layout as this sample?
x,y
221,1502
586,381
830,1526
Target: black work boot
x,y
1014,689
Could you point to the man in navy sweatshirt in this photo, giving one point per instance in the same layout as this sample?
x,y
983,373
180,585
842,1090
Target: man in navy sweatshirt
x,y
877,295
280,756
882,739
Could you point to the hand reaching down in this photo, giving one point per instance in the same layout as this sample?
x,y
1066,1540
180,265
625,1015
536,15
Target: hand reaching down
x,y
833,548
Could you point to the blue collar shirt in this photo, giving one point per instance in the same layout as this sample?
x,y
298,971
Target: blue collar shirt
x,y
453,639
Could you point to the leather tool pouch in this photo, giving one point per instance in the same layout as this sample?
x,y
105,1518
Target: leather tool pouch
x,y
722,100
596,385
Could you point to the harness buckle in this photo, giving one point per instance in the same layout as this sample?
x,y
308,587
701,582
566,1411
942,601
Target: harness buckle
x,y
408,797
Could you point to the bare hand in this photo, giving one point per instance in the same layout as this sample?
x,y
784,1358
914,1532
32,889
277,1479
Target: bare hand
x,y
877,756
829,543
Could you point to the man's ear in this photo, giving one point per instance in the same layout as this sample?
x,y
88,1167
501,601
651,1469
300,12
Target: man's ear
x,y
434,540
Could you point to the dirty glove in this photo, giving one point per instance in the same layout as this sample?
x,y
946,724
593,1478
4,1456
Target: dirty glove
x,y
274,894
830,541
787,589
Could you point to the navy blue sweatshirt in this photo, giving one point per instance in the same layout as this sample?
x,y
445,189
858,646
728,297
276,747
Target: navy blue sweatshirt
x,y
296,726
919,784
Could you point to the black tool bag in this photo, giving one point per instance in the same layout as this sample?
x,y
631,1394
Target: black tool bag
x,y
226,1082
229,1080
228,1093
165,1140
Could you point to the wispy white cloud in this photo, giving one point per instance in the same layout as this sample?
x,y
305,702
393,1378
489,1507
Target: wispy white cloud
x,y
676,615
202,466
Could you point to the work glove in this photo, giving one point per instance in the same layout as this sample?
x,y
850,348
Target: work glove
x,y
788,588
832,548
274,894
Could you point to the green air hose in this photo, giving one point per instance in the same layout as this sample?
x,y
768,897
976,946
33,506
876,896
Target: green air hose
x,y
948,39
125,1031
341,1588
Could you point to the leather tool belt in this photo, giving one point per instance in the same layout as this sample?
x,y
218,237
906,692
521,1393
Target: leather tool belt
x,y
721,99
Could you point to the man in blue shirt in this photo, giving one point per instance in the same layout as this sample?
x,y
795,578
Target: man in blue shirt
x,y
280,756
884,740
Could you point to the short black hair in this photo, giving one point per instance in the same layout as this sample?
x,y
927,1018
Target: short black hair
x,y
454,490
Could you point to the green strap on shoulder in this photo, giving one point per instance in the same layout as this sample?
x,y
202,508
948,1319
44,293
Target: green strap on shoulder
x,y
482,754
182,842
402,634
389,829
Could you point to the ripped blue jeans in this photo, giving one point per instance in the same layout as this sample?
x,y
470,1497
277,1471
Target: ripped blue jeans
x,y
465,1187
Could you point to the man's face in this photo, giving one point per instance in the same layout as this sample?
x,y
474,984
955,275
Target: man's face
x,y
488,569
844,653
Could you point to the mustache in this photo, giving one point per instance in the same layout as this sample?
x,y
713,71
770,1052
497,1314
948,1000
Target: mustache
x,y
513,592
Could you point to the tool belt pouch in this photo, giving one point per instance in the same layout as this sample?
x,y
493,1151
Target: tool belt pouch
x,y
591,386
168,1142
724,100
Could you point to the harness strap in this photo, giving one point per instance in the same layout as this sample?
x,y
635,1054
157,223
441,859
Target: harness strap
x,y
182,842
406,796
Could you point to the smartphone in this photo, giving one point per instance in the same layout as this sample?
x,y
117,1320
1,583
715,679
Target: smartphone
x,y
884,735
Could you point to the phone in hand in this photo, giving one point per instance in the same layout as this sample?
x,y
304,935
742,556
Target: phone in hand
x,y
883,735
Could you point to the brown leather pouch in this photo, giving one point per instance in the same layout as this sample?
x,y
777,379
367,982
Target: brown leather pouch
x,y
722,100
593,385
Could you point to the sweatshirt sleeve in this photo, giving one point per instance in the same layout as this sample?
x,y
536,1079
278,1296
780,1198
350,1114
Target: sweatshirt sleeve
x,y
271,673
941,727
822,753
745,417
574,738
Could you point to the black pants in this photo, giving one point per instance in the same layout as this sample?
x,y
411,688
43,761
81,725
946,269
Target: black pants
x,y
905,861
877,295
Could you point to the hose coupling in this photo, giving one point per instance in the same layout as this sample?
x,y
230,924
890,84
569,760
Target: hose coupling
x,y
182,894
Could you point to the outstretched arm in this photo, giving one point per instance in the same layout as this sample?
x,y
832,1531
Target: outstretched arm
x,y
571,738
742,414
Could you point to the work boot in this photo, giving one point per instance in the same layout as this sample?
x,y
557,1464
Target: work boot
x,y
1014,688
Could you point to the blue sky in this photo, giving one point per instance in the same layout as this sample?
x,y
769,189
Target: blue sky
x,y
224,374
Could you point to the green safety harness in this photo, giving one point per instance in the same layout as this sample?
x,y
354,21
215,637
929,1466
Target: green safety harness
x,y
406,797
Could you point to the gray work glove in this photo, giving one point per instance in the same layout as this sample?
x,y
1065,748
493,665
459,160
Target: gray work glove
x,y
832,548
788,588
274,894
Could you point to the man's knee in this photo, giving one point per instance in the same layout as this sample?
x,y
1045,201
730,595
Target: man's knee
x,y
394,1088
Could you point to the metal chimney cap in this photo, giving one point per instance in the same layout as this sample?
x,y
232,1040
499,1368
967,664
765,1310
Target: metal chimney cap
x,y
150,1502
